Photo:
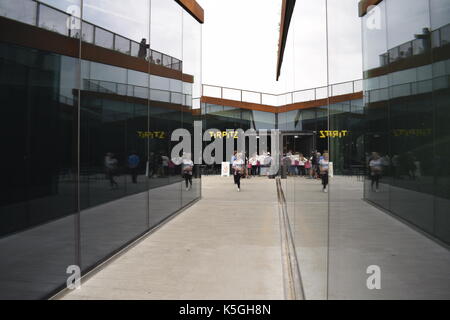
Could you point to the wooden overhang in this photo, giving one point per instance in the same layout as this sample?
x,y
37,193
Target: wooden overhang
x,y
25,35
193,8
286,16
285,108
365,4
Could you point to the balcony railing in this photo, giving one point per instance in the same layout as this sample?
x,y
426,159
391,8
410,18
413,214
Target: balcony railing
x,y
407,89
129,90
435,39
275,100
41,15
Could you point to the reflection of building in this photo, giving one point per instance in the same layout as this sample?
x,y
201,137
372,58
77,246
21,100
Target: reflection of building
x,y
397,151
74,107
301,111
406,99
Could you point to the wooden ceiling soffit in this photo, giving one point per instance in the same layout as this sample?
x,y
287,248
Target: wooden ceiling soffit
x,y
33,37
365,4
286,16
282,109
193,8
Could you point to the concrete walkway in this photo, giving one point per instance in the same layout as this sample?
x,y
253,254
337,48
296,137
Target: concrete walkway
x,y
226,246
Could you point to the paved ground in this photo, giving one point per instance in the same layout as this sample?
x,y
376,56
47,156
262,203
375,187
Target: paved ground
x,y
227,246
38,257
348,235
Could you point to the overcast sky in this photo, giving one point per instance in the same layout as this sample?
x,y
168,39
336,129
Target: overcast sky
x,y
240,43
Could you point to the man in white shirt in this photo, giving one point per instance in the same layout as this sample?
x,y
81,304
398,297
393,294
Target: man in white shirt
x,y
324,165
187,167
238,170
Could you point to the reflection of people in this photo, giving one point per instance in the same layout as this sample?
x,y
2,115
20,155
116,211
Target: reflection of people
x,y
238,170
143,46
111,169
133,164
253,162
165,164
324,167
396,166
186,169
376,168
152,164
426,39
233,158
301,165
318,158
411,165
308,166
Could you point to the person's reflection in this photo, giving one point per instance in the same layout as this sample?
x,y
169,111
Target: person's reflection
x,y
396,166
376,168
187,169
133,165
426,39
143,46
411,165
111,165
165,164
151,164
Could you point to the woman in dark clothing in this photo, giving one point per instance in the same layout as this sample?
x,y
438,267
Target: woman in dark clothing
x,y
143,46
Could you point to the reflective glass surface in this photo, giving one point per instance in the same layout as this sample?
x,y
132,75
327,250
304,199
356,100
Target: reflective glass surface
x,y
89,141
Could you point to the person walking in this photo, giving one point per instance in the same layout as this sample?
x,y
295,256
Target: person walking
x,y
301,165
111,165
324,167
376,167
318,158
133,164
308,170
233,158
238,170
187,168
253,160
314,165
249,168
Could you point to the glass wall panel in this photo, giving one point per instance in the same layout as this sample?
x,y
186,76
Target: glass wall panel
x,y
87,139
387,157
19,10
411,195
38,202
113,147
440,19
165,113
53,20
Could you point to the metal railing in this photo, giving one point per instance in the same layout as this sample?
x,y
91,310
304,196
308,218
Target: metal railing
x,y
407,89
142,92
436,38
278,100
44,16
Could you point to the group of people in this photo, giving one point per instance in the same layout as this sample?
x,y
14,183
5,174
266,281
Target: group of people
x,y
159,165
112,168
314,167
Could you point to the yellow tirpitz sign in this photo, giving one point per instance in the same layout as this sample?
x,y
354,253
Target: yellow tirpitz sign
x,y
152,135
224,134
412,132
333,134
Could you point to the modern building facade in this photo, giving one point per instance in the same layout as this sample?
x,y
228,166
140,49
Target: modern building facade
x,y
407,99
91,92
402,116
304,112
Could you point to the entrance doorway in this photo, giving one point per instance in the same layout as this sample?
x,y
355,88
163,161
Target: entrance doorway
x,y
301,142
